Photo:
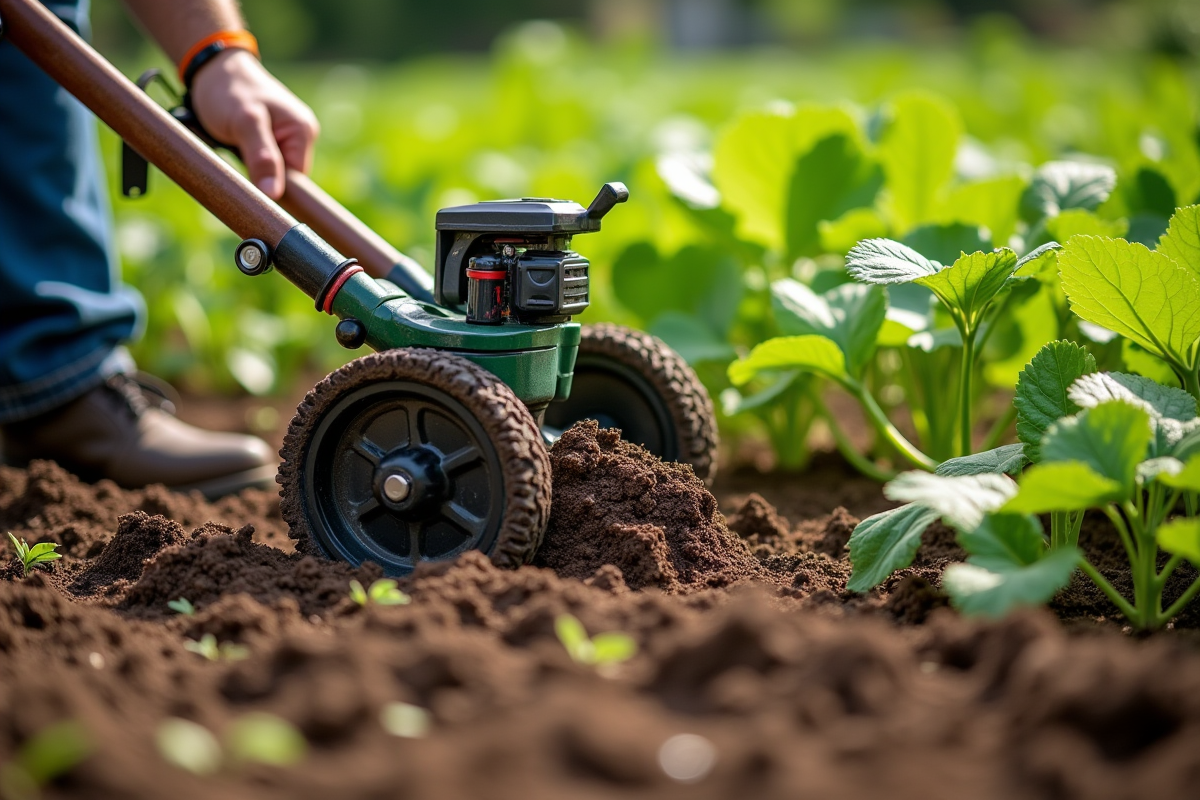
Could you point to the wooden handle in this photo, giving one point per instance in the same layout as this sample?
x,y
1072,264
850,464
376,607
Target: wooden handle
x,y
329,218
137,119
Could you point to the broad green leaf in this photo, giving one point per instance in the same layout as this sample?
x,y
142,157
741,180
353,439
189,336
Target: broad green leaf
x,y
917,150
1181,537
1009,459
1159,468
1036,260
265,739
1112,438
807,353
1042,391
839,235
970,283
943,244
1030,321
1161,401
1139,293
991,202
1062,486
1004,541
1077,222
829,180
753,160
928,341
1187,477
977,591
886,542
691,338
1137,359
703,282
1172,411
1181,242
960,501
884,261
850,315
734,402
1061,185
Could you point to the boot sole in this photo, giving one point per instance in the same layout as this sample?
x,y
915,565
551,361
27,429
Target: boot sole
x,y
216,488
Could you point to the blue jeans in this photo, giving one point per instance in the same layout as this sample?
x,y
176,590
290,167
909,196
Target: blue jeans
x,y
63,310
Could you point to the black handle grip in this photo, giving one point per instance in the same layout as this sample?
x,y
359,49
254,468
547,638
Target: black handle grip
x,y
610,195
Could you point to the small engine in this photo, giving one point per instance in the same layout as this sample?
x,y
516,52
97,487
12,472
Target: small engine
x,y
506,260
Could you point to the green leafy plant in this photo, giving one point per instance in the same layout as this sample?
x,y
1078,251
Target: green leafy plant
x,y
182,606
36,555
51,752
603,649
256,737
383,592
1112,442
208,647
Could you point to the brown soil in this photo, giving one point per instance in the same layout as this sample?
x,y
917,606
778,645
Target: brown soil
x,y
747,638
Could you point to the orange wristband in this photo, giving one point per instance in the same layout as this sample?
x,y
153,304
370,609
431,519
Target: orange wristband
x,y
210,46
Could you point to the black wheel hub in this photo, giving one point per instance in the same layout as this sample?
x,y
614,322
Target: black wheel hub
x,y
398,473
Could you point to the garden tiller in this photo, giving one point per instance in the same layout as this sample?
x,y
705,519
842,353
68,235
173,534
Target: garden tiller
x,y
435,443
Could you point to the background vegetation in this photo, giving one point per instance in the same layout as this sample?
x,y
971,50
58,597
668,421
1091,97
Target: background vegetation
x,y
717,138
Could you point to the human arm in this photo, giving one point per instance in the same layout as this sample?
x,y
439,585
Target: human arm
x,y
236,99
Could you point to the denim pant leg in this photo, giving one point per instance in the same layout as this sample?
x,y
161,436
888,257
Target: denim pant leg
x,y
63,310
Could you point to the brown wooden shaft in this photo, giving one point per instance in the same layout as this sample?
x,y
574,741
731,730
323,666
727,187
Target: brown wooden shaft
x,y
137,119
336,225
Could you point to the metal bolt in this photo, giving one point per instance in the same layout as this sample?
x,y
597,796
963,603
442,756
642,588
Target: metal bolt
x,y
250,257
396,487
509,251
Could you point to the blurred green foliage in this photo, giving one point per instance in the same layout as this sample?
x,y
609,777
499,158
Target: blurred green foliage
x,y
743,169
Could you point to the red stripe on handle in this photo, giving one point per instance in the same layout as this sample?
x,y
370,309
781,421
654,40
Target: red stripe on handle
x,y
347,273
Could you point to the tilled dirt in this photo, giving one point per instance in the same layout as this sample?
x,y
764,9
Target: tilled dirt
x,y
747,638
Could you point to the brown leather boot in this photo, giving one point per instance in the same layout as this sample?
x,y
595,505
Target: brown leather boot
x,y
115,432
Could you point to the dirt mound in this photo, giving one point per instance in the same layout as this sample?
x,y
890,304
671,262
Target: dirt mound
x,y
139,538
747,639
615,504
218,561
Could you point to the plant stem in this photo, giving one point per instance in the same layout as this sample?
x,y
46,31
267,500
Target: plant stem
x,y
889,431
1191,382
998,428
1188,595
1147,597
1111,593
1168,568
1058,525
857,460
967,367
1114,517
1076,524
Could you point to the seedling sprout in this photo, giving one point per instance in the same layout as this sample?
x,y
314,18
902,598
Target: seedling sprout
x,y
603,649
36,555
383,592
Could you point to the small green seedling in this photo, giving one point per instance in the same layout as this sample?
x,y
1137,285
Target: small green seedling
x,y
603,649
256,737
182,606
405,720
208,647
33,556
382,593
51,752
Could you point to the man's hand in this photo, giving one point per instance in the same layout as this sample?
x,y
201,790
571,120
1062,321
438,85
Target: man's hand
x,y
241,104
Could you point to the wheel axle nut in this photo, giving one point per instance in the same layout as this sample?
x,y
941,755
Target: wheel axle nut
x,y
396,488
